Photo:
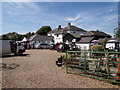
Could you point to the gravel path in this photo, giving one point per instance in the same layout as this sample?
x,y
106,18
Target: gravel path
x,y
38,70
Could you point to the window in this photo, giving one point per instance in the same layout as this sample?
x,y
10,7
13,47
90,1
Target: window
x,y
57,35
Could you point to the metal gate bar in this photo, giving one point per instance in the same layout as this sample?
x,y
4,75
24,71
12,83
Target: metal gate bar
x,y
95,64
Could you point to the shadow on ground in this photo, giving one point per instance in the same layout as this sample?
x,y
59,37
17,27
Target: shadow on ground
x,y
8,56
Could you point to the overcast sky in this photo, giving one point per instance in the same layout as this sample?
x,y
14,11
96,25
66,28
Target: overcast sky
x,y
23,17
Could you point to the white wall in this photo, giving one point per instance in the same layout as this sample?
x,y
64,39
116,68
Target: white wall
x,y
84,46
48,34
51,34
58,38
112,45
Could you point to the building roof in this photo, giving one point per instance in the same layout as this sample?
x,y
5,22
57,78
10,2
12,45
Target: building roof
x,y
43,38
71,27
56,30
86,39
96,33
111,40
75,35
63,30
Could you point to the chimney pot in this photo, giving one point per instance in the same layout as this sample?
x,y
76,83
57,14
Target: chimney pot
x,y
59,26
69,24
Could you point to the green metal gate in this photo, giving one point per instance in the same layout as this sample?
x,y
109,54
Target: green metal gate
x,y
94,64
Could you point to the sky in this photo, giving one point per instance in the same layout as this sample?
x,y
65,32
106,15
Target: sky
x,y
23,17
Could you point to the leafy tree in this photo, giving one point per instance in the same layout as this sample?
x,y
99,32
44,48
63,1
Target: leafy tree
x,y
15,36
12,36
117,32
27,35
117,35
4,37
44,30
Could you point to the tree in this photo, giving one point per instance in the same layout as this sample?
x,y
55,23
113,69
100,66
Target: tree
x,y
12,36
117,35
4,37
27,35
44,30
117,32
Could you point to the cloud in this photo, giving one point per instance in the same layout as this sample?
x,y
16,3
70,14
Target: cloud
x,y
72,19
111,18
21,8
98,20
110,10
31,15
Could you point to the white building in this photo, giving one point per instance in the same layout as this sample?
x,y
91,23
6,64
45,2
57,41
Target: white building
x,y
40,39
113,43
59,33
88,39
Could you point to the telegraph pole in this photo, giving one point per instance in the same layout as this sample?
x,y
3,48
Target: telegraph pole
x,y
118,27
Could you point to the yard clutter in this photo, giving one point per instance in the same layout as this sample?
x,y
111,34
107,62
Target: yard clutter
x,y
8,66
60,61
118,71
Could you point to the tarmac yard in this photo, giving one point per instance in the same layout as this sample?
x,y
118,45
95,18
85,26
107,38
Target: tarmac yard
x,y
38,69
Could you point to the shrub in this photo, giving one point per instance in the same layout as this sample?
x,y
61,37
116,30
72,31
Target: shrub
x,y
97,47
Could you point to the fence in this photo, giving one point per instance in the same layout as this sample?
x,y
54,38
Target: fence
x,y
97,65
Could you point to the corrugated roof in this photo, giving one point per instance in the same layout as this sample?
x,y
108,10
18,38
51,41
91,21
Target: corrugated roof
x,y
86,39
96,33
114,40
75,35
55,30
32,37
41,38
63,30
71,27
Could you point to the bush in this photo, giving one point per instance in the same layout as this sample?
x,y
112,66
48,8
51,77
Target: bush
x,y
97,47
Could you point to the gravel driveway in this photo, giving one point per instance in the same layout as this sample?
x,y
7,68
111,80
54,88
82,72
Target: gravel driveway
x,y
37,69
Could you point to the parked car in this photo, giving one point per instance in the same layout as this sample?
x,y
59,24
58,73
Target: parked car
x,y
63,48
9,47
57,44
37,45
52,46
42,46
